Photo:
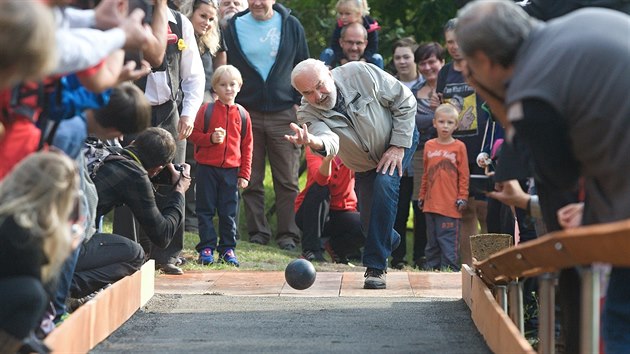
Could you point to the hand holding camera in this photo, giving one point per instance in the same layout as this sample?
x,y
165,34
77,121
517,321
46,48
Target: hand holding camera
x,y
176,175
182,183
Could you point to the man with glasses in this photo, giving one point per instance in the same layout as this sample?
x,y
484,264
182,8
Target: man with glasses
x,y
353,42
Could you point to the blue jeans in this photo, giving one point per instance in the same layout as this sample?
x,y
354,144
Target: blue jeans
x,y
616,317
381,190
217,192
442,250
64,282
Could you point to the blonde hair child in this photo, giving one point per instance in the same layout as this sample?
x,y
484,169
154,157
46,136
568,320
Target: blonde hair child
x,y
348,12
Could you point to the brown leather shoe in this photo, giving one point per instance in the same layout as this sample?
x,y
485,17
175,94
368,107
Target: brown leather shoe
x,y
170,269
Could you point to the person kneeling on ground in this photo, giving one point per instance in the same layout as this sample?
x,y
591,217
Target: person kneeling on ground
x,y
127,181
329,195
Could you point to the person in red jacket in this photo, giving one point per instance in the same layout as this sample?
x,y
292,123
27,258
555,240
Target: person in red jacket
x,y
327,209
223,151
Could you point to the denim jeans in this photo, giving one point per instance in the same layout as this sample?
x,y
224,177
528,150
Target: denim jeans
x,y
217,193
616,317
442,250
380,190
62,286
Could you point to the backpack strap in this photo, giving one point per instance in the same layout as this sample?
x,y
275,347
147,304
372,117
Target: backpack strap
x,y
111,157
243,113
206,116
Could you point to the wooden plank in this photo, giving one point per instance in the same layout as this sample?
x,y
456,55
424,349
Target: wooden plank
x,y
605,243
147,282
71,336
499,332
98,318
467,278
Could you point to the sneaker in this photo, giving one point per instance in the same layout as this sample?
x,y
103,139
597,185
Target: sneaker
x,y
313,256
287,245
180,261
259,240
336,258
229,257
419,263
374,279
72,304
398,263
206,256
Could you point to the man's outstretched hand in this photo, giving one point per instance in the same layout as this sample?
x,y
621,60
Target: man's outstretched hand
x,y
303,137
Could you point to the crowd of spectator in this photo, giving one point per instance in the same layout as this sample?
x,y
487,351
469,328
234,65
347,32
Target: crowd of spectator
x,y
166,114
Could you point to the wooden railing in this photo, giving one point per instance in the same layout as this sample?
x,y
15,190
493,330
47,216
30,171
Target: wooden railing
x,y
544,257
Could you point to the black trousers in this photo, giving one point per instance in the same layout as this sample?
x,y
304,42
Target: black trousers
x,y
24,301
104,259
400,224
317,221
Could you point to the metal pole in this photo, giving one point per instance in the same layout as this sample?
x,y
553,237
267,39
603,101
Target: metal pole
x,y
501,296
589,311
515,304
546,313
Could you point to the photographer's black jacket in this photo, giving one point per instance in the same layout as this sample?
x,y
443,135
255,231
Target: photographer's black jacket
x,y
125,181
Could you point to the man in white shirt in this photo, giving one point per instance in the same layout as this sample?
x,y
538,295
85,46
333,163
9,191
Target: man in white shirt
x,y
175,91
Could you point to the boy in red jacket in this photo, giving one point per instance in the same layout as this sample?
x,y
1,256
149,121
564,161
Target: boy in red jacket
x,y
223,151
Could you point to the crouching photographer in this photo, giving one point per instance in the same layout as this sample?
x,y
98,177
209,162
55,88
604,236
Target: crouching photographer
x,y
158,210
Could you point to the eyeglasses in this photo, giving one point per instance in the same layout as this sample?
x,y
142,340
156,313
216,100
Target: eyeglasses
x,y
353,43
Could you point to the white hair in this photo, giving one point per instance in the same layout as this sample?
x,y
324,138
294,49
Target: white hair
x,y
308,66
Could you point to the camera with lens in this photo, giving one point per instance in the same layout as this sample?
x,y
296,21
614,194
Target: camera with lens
x,y
165,177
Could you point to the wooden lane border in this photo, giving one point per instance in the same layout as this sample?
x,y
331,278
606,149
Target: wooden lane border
x,y
97,319
499,332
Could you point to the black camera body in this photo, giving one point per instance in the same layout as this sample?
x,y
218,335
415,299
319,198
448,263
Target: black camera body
x,y
144,5
165,178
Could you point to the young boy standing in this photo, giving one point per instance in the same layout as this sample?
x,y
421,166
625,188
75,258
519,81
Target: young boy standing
x,y
444,190
222,135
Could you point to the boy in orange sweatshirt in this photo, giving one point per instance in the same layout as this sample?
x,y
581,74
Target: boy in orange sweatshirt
x,y
444,190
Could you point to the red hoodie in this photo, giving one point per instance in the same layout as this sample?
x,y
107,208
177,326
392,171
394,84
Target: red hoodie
x,y
235,151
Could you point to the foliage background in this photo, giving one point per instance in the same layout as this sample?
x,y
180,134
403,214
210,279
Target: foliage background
x,y
422,19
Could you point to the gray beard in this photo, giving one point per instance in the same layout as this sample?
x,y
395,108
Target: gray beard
x,y
330,103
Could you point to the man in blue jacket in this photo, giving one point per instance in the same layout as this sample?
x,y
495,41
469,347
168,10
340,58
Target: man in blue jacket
x,y
265,43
